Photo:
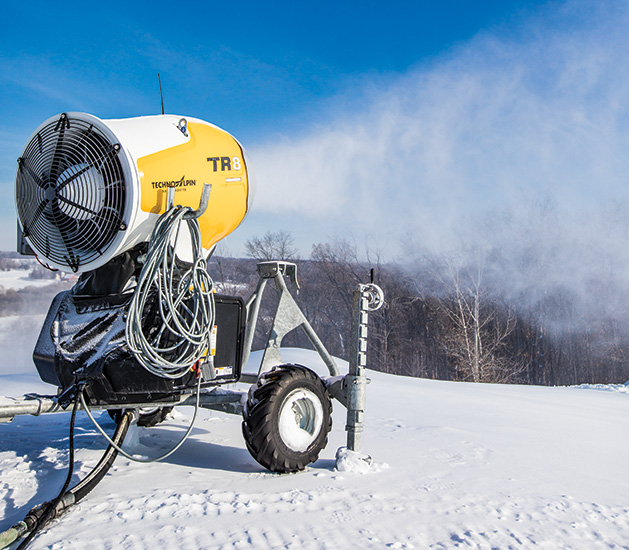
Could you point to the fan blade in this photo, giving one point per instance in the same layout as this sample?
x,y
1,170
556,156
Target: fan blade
x,y
55,164
77,205
38,212
58,217
23,165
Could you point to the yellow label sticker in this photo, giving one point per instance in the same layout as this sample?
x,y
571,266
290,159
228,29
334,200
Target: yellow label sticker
x,y
213,340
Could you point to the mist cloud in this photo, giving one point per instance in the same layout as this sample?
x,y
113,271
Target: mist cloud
x,y
537,110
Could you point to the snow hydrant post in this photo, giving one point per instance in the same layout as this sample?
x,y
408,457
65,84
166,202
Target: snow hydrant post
x,y
366,298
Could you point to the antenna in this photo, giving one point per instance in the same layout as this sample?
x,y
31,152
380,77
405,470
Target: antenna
x,y
161,95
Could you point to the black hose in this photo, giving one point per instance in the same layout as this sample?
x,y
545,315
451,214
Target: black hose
x,y
85,486
47,511
43,514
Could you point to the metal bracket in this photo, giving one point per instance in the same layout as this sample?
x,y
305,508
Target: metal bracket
x,y
191,214
270,270
203,204
288,317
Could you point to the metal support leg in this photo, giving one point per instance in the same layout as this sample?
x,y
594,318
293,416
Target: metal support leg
x,y
288,317
253,310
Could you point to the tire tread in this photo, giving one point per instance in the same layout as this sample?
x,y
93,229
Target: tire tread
x,y
265,398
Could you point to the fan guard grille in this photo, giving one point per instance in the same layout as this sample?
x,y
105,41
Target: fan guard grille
x,y
70,192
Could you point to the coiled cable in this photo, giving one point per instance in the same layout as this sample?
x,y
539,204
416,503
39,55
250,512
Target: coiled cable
x,y
185,299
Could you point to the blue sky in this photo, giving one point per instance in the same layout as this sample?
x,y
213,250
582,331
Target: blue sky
x,y
385,119
249,67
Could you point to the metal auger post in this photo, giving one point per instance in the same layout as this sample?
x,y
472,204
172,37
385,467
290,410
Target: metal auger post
x,y
366,298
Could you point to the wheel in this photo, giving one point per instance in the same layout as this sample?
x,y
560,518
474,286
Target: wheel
x,y
146,417
287,418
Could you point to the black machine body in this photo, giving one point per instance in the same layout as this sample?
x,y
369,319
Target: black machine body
x,y
83,340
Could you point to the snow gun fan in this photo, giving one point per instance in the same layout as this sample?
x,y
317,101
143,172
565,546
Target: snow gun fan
x,y
88,189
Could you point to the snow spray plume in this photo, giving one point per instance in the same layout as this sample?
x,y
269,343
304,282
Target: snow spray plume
x,y
515,115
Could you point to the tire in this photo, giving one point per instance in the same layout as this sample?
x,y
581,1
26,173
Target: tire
x,y
147,418
287,418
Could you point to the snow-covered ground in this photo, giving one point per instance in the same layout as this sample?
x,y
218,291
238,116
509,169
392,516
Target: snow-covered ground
x,y
456,465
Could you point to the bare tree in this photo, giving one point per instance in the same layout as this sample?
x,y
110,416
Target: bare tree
x,y
279,245
335,271
479,327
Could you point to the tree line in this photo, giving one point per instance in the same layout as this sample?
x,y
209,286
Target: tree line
x,y
445,318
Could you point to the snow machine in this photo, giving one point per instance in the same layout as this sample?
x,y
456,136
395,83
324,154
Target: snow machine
x,y
134,208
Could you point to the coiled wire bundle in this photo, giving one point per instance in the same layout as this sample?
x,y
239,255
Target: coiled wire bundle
x,y
171,344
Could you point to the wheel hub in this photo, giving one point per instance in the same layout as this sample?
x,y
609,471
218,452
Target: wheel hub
x,y
300,419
